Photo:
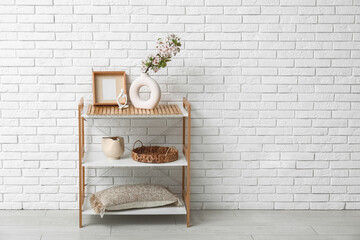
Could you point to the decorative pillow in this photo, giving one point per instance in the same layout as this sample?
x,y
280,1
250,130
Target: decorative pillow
x,y
123,197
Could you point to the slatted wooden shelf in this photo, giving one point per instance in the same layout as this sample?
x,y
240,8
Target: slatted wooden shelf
x,y
170,110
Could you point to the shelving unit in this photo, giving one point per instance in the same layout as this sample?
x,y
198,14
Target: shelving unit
x,y
99,160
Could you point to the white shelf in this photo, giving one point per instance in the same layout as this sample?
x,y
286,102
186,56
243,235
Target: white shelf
x,y
98,159
166,210
182,109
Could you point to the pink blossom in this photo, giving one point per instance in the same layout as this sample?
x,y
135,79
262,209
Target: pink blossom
x,y
156,60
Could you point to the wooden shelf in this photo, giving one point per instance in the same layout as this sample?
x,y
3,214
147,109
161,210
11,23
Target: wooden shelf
x,y
98,159
165,210
161,111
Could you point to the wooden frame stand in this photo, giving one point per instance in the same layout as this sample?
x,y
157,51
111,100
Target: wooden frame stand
x,y
93,159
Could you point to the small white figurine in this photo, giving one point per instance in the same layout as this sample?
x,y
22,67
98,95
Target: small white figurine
x,y
122,95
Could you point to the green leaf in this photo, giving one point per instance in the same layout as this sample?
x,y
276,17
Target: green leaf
x,y
162,64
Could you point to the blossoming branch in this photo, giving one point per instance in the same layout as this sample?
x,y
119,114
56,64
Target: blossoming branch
x,y
166,50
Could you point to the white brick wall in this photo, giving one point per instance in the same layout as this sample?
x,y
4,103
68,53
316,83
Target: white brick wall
x,y
274,86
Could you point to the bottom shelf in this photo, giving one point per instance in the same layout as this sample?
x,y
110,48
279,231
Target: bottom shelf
x,y
166,210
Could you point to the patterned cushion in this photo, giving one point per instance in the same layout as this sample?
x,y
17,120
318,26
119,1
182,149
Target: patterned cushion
x,y
123,197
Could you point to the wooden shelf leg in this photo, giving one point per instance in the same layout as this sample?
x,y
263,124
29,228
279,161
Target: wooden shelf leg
x,y
186,150
81,170
188,197
188,219
183,181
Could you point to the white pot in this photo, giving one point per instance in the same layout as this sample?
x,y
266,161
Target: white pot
x,y
113,147
155,92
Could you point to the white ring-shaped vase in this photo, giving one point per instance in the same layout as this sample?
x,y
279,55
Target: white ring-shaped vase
x,y
155,92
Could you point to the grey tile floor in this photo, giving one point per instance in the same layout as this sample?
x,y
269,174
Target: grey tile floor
x,y
209,225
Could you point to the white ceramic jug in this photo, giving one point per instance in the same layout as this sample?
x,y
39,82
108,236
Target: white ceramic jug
x,y
113,147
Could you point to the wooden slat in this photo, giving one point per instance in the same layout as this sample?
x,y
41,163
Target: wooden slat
x,y
156,110
164,110
160,110
89,110
178,111
167,110
171,109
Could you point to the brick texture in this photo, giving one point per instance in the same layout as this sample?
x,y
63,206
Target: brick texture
x,y
274,86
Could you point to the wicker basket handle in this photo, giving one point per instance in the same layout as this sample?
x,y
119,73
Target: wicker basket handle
x,y
169,149
136,142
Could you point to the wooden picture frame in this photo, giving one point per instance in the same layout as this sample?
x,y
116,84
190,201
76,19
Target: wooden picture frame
x,y
107,86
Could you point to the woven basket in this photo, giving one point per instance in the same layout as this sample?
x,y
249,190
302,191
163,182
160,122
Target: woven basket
x,y
154,154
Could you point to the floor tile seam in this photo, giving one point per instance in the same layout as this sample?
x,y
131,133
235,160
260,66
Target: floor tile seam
x,y
314,230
